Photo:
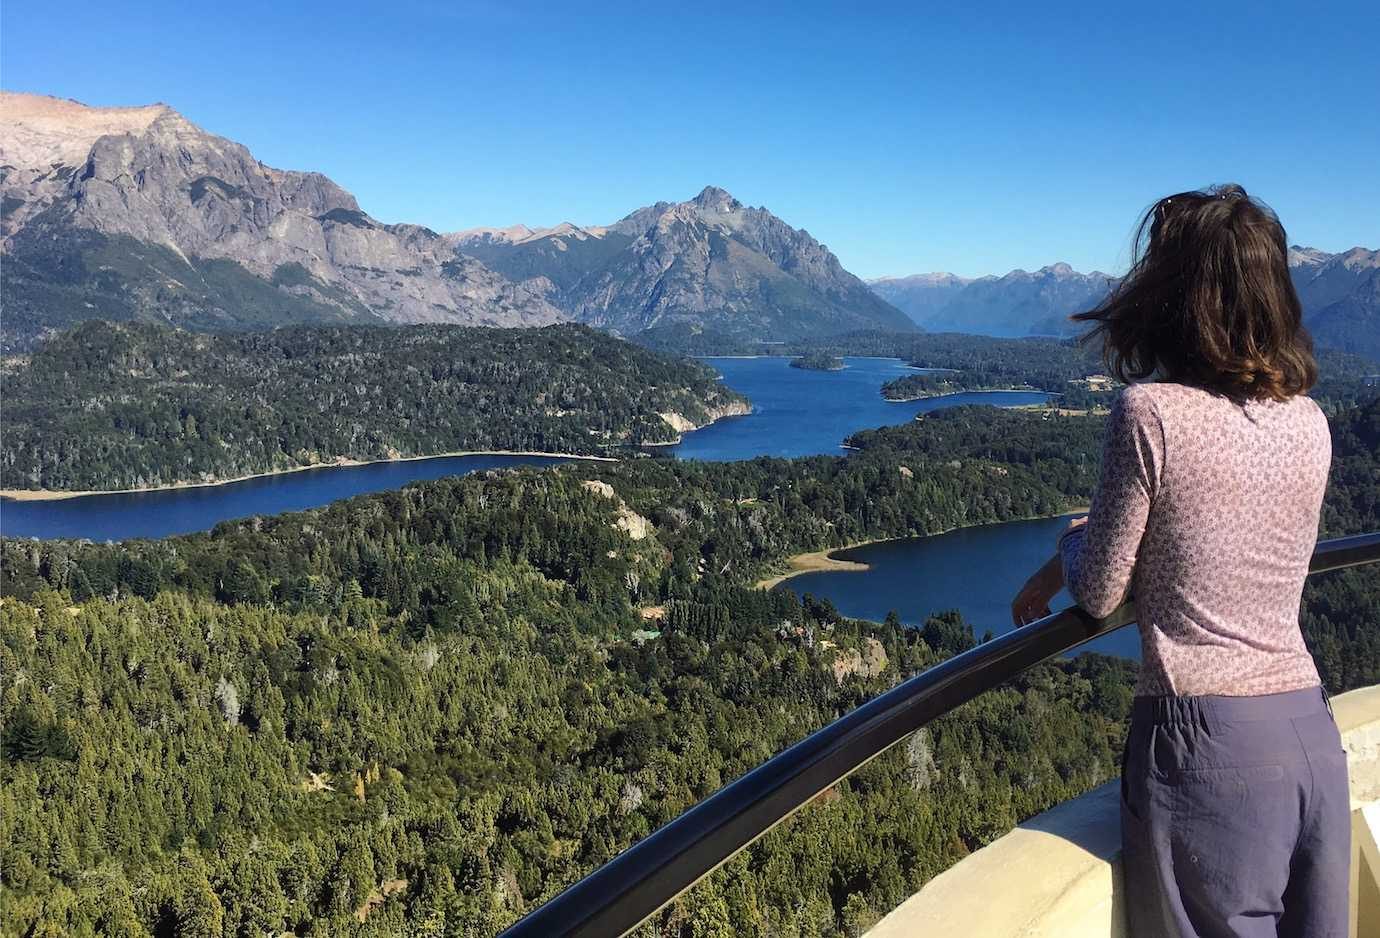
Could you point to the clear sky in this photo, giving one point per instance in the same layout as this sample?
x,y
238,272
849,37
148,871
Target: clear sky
x,y
907,138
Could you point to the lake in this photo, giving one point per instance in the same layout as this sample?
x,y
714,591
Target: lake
x,y
797,412
975,570
804,412
161,512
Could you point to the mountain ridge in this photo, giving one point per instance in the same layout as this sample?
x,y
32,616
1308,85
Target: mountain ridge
x,y
1016,303
139,214
709,262
161,220
1337,290
1340,294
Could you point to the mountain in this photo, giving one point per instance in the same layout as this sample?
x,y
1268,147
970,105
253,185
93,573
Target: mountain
x,y
919,296
1020,303
709,263
1341,297
550,261
137,213
1340,294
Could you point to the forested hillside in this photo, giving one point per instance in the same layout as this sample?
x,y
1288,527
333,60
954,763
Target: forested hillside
x,y
1341,610
133,406
975,363
424,711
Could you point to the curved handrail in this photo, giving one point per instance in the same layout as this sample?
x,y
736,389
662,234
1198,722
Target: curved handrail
x,y
634,885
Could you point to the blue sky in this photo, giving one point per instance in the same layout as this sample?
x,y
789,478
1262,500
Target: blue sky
x,y
907,138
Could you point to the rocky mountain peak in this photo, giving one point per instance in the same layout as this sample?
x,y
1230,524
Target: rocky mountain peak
x,y
1359,258
714,199
38,131
191,228
936,278
1300,256
513,234
682,213
708,262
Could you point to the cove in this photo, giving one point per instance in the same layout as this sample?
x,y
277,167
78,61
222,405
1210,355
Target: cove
x,y
976,570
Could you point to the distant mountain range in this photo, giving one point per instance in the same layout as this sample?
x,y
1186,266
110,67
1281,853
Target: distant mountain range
x,y
1340,294
1020,303
138,214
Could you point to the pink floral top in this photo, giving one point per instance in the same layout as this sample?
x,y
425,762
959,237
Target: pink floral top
x,y
1207,512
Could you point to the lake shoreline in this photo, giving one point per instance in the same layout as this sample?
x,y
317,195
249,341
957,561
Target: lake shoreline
x,y
932,396
816,561
50,495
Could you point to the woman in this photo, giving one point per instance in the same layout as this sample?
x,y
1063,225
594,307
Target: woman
x,y
1234,809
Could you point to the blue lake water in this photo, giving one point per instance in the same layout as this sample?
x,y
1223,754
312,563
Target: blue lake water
x,y
797,412
803,412
975,570
161,512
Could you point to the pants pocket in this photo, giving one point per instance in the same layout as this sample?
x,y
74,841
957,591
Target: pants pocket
x,y
1232,836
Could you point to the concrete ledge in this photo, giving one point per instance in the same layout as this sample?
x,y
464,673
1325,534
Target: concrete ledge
x,y
1055,875
1059,873
1358,717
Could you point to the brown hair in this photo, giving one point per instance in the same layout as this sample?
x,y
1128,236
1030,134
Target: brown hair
x,y
1208,301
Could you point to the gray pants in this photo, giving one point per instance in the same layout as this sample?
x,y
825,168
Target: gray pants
x,y
1235,818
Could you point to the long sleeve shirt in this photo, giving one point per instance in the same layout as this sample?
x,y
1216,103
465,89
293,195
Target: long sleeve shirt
x,y
1206,513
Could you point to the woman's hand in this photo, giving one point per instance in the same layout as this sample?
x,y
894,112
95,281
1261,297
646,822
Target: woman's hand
x,y
1075,523
1032,602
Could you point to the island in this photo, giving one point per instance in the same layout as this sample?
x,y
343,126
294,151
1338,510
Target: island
x,y
818,361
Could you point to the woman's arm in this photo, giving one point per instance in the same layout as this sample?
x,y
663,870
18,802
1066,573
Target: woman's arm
x,y
1099,557
1032,602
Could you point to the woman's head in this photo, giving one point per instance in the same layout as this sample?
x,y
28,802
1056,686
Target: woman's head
x,y
1209,301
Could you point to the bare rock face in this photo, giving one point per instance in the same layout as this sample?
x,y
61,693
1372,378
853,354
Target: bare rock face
x,y
628,521
683,424
44,140
869,662
138,213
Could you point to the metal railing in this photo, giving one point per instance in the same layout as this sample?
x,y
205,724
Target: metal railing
x,y
634,885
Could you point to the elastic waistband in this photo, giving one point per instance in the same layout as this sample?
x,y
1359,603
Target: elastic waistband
x,y
1172,709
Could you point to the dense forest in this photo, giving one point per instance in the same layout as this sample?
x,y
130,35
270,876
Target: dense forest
x,y
110,406
424,711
